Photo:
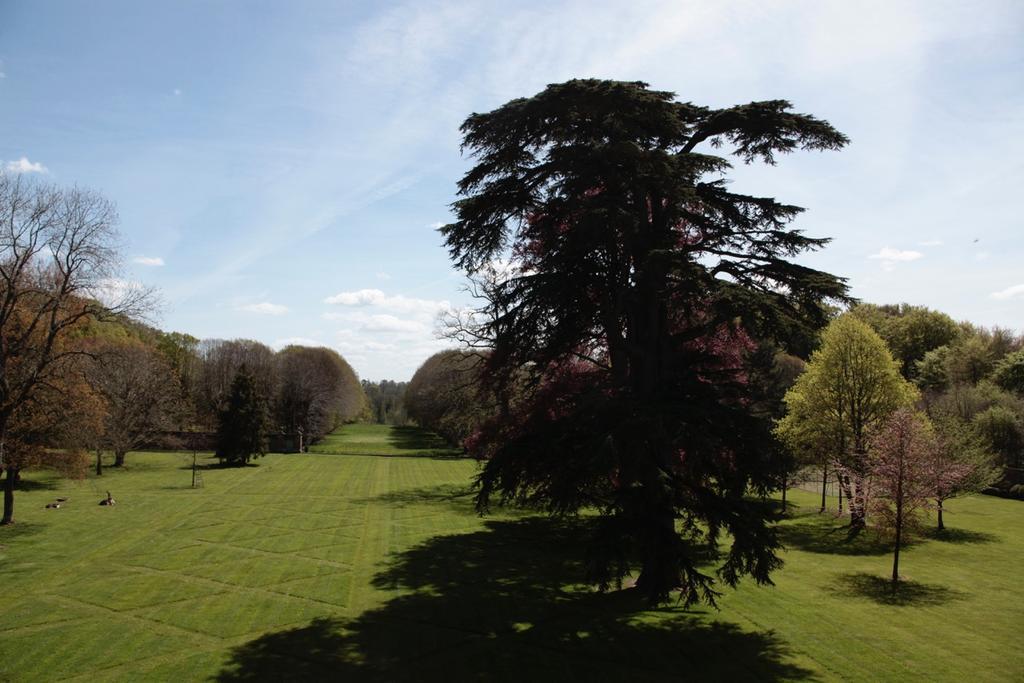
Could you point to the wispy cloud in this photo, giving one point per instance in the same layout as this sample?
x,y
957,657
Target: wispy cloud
x,y
177,91
1012,292
148,260
931,243
383,276
23,165
264,308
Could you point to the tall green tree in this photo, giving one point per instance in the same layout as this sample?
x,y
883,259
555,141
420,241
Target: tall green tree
x,y
851,386
242,423
639,279
909,331
1009,372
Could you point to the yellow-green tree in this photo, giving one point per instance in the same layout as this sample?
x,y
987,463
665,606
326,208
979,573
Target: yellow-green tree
x,y
851,386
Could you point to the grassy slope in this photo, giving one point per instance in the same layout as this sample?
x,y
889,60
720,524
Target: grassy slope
x,y
376,568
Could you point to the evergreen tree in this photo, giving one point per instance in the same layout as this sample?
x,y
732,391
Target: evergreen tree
x,y
242,423
639,281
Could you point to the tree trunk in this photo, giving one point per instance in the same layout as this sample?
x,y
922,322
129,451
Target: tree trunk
x,y
824,487
785,485
118,458
12,475
941,525
99,463
858,505
839,487
659,571
896,553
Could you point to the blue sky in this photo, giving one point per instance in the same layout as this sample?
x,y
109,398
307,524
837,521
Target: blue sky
x,y
279,167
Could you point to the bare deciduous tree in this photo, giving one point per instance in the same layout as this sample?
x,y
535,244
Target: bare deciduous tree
x,y
142,395
59,267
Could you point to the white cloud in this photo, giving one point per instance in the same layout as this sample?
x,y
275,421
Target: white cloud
x,y
23,165
381,322
388,323
1009,293
375,297
890,254
148,260
931,243
890,257
436,224
362,297
383,276
264,308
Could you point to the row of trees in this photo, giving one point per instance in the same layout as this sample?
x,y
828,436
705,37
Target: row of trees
x,y
890,452
449,395
80,372
385,402
967,375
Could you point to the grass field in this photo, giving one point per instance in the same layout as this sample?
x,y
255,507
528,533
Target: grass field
x,y
363,567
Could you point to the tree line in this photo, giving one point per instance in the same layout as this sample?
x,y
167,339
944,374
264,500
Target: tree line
x,y
82,371
155,382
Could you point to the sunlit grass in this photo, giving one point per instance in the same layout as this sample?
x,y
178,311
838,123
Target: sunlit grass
x,y
367,567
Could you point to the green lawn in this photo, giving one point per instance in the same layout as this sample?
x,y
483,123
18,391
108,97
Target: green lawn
x,y
346,567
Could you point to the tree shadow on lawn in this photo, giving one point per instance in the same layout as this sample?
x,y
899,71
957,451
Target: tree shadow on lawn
x,y
16,529
503,604
426,444
819,533
959,536
907,594
206,466
48,484
458,497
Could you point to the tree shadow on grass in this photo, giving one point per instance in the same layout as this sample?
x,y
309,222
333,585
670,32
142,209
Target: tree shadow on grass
x,y
959,536
425,443
908,593
824,534
206,466
16,529
456,497
504,603
36,485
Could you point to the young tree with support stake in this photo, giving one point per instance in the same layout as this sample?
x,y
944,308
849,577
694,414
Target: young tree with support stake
x,y
641,279
902,454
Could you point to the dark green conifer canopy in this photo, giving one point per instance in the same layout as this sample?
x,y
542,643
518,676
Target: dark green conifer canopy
x,y
642,281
